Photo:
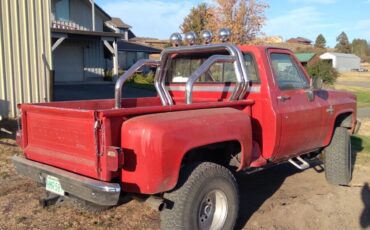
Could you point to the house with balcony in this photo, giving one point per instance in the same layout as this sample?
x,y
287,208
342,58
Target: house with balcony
x,y
83,45
129,50
118,26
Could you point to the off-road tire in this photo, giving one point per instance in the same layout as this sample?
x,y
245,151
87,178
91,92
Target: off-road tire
x,y
195,183
338,159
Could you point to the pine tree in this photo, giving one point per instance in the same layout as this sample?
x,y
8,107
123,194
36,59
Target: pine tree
x,y
360,47
343,45
320,42
197,20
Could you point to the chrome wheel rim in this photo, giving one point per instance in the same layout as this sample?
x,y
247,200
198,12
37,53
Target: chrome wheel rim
x,y
212,211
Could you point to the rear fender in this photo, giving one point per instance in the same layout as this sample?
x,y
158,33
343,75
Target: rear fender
x,y
155,145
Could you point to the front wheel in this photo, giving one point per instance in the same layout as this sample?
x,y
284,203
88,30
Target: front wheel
x,y
206,198
338,158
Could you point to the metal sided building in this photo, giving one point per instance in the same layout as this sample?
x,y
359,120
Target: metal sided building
x,y
43,42
25,53
341,61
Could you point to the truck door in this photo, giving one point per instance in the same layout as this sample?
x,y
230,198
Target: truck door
x,y
300,116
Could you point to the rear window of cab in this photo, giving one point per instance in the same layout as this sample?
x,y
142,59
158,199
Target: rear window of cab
x,y
183,66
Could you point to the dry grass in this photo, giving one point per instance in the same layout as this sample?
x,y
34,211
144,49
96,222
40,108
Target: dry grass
x,y
354,77
361,143
365,127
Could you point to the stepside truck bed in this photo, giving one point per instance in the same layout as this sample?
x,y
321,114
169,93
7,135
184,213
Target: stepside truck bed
x,y
80,136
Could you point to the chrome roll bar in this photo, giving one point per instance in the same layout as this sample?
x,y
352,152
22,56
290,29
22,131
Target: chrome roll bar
x,y
201,70
163,64
239,65
129,73
244,73
160,87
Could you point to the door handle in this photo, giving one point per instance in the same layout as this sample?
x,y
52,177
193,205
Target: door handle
x,y
283,98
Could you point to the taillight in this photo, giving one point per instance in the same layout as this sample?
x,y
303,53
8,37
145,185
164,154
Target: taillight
x,y
114,158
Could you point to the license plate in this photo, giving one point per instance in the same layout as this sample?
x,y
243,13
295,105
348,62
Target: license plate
x,y
53,185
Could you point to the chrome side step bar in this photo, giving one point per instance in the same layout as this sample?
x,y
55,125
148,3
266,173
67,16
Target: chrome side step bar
x,y
299,163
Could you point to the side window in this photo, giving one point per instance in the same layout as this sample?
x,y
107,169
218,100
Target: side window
x,y
251,68
287,73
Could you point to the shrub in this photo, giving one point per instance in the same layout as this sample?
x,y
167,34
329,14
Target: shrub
x,y
323,69
108,74
140,78
137,78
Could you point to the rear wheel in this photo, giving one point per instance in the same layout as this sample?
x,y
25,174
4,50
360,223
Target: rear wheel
x,y
338,159
206,198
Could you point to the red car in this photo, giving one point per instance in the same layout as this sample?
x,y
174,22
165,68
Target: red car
x,y
220,109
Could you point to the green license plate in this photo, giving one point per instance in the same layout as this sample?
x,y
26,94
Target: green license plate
x,y
53,185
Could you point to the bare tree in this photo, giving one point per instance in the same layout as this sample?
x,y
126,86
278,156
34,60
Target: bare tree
x,y
245,18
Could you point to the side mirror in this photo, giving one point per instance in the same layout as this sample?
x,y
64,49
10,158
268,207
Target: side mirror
x,y
316,83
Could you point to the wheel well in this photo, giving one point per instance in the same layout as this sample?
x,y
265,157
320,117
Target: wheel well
x,y
344,120
226,153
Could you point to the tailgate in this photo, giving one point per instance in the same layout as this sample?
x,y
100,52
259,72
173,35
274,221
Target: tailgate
x,y
64,138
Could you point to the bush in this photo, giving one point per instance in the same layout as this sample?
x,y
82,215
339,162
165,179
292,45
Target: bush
x,y
323,69
143,79
137,78
108,74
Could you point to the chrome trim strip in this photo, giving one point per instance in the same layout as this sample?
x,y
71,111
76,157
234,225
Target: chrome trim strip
x,y
95,191
199,88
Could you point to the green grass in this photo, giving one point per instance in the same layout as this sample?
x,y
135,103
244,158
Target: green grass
x,y
363,98
361,143
361,149
363,94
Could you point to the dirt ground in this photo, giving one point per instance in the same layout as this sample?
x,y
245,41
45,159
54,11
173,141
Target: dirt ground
x,y
278,198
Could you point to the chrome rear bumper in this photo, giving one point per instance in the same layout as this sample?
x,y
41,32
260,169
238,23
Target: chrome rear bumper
x,y
95,191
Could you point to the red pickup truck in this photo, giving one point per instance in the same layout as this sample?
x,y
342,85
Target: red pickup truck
x,y
220,109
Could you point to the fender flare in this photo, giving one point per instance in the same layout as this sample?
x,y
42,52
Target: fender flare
x,y
345,123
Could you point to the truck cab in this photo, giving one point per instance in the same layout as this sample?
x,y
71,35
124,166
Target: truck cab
x,y
221,109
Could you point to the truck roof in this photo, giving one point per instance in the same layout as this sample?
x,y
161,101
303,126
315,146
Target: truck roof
x,y
261,47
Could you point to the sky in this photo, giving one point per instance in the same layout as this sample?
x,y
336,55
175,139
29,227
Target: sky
x,y
286,18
